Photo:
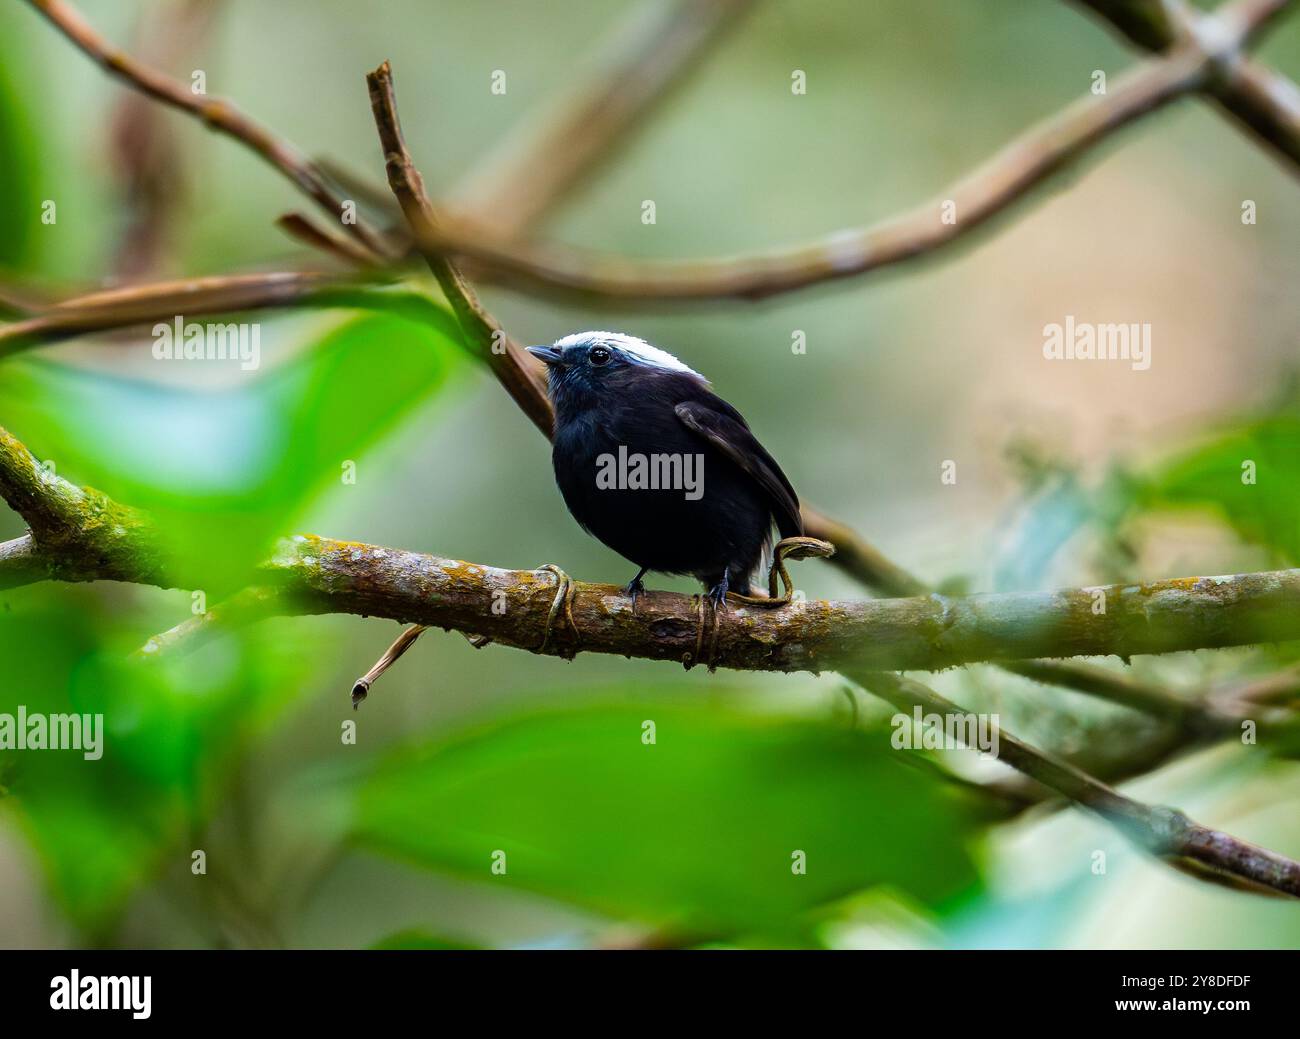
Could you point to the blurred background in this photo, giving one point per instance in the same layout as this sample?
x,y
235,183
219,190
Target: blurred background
x,y
1069,473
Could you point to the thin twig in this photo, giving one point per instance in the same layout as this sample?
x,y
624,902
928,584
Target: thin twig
x,y
242,609
302,229
403,642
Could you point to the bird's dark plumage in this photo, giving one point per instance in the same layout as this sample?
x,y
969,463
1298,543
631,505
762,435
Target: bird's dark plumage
x,y
614,392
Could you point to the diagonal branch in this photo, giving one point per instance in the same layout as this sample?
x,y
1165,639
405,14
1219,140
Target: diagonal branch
x,y
514,369
1165,832
303,229
216,114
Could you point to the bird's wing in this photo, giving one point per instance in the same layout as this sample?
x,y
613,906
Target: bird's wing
x,y
724,428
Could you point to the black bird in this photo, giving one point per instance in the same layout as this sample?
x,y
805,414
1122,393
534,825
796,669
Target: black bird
x,y
660,468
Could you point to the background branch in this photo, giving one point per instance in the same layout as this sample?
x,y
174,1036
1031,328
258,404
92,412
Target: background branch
x,y
1005,179
216,114
1165,832
221,294
1260,99
649,53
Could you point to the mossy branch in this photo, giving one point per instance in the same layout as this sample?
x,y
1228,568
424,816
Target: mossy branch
x,y
80,534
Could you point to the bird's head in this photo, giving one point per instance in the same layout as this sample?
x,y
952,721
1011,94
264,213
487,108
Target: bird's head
x,y
587,365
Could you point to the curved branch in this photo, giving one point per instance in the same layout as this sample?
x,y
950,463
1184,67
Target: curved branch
x,y
1206,57
974,201
216,114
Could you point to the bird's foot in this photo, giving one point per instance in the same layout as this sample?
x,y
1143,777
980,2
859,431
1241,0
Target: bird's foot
x,y
718,594
564,594
634,588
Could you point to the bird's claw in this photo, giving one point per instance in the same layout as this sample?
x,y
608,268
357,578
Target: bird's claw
x,y
718,596
634,588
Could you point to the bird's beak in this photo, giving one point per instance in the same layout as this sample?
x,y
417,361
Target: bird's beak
x,y
548,354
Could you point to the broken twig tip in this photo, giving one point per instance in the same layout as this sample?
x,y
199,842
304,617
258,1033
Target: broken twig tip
x,y
359,692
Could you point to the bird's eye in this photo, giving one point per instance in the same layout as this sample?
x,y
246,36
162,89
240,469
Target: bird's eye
x,y
600,355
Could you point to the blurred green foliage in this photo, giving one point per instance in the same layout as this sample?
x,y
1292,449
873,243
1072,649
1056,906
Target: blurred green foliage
x,y
227,471
18,171
695,832
1247,474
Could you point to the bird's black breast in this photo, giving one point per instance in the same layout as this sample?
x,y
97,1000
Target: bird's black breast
x,y
725,529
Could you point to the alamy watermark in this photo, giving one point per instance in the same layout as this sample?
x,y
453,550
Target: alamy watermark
x,y
921,731
35,731
633,471
1085,341
72,991
194,341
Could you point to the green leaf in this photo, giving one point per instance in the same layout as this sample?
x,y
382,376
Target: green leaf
x,y
1212,475
698,830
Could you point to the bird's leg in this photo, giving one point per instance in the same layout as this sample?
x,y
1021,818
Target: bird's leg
x,y
718,593
634,587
